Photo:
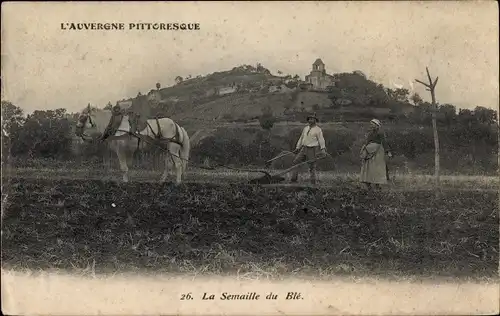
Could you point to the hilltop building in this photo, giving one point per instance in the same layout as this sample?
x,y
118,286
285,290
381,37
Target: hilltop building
x,y
318,79
125,104
227,90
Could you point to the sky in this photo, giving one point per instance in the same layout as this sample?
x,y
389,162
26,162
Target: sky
x,y
45,67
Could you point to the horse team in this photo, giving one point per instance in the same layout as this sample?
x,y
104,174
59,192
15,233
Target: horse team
x,y
93,124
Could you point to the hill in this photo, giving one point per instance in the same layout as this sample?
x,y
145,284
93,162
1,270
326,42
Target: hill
x,y
218,96
245,92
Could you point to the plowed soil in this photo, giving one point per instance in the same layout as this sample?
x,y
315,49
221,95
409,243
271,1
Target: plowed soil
x,y
242,229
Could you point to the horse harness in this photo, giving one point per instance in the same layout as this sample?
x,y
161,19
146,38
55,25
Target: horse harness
x,y
159,137
117,117
175,139
115,122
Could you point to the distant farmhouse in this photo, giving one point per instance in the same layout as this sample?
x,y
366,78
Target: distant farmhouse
x,y
227,90
318,79
125,104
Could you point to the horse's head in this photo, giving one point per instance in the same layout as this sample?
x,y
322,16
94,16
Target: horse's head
x,y
90,123
84,123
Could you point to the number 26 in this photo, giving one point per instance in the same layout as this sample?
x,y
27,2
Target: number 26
x,y
186,297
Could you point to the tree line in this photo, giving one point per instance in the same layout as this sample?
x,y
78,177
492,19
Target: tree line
x,y
468,140
465,148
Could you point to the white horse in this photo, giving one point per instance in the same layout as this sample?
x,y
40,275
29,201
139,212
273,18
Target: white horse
x,y
92,124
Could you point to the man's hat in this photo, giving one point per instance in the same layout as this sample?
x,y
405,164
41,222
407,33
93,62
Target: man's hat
x,y
313,116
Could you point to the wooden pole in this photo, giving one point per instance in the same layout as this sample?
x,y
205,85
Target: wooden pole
x,y
431,87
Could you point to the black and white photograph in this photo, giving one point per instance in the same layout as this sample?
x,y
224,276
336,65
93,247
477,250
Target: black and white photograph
x,y
250,158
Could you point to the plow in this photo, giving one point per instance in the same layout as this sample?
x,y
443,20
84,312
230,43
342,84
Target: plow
x,y
278,178
267,177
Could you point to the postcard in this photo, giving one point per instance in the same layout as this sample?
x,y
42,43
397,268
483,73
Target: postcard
x,y
250,158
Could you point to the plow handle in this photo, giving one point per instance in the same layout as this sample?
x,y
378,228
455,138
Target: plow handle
x,y
301,164
286,153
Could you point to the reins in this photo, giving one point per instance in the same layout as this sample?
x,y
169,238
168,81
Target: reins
x,y
156,143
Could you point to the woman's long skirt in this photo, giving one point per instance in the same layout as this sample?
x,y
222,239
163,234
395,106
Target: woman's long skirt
x,y
374,170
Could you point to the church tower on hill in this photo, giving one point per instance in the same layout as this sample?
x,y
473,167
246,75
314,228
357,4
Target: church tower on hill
x,y
318,79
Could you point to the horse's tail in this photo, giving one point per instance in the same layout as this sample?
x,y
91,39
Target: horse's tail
x,y
185,149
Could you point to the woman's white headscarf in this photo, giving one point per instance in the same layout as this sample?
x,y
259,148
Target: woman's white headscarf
x,y
376,122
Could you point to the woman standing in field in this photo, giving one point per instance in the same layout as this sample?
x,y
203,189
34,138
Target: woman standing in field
x,y
373,165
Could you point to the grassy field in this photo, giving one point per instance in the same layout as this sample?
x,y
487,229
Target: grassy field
x,y
399,182
216,224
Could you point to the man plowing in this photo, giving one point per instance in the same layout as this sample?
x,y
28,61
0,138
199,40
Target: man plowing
x,y
309,146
